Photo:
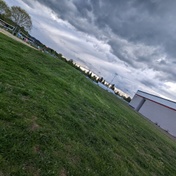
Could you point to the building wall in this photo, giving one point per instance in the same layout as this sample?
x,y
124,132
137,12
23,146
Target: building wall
x,y
163,116
135,101
158,99
157,111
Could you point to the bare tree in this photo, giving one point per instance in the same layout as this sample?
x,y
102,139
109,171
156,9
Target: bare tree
x,y
4,9
21,17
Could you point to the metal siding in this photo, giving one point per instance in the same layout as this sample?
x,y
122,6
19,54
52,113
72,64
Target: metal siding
x,y
140,104
157,99
163,116
135,101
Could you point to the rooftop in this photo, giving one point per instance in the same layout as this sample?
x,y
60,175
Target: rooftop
x,y
157,99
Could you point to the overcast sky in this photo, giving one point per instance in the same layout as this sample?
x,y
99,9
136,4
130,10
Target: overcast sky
x,y
135,39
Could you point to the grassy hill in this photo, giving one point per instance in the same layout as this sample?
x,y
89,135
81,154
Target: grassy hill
x,y
55,121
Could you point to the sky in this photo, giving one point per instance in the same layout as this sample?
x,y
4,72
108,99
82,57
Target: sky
x,y
132,39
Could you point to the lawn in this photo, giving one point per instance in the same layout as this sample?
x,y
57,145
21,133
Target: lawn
x,y
55,121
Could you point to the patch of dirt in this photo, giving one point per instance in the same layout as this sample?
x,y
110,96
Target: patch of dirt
x,y
63,173
32,170
36,149
1,174
34,126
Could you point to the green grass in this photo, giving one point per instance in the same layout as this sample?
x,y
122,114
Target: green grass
x,y
54,121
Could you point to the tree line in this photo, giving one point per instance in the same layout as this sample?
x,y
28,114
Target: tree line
x,y
15,16
19,18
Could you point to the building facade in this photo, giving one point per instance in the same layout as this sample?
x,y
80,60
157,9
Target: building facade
x,y
159,110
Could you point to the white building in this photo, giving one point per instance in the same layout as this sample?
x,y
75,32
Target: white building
x,y
157,109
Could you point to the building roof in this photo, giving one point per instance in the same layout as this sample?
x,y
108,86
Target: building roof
x,y
159,100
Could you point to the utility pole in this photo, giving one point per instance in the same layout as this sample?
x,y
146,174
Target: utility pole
x,y
113,78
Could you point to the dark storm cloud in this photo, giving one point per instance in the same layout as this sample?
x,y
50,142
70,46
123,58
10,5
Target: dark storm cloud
x,y
148,83
148,23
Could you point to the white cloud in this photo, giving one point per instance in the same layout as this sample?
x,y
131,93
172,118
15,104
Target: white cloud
x,y
134,70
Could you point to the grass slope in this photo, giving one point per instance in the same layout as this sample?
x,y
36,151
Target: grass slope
x,y
54,121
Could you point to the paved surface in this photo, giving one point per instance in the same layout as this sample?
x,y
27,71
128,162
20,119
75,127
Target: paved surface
x,y
14,37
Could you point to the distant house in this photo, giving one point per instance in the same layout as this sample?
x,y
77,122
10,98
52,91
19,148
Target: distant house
x,y
159,110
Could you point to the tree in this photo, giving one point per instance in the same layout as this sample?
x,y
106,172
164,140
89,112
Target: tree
x,y
100,79
21,18
112,87
4,9
128,99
